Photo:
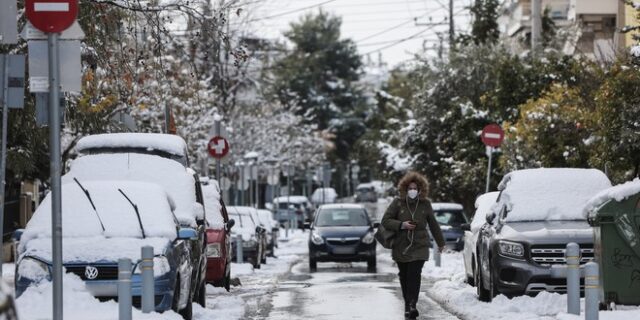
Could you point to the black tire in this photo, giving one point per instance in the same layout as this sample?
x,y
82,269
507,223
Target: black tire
x,y
187,312
483,294
176,295
226,281
201,297
313,265
493,291
472,280
372,265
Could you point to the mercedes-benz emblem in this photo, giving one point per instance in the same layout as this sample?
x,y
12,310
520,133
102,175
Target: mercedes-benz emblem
x,y
90,272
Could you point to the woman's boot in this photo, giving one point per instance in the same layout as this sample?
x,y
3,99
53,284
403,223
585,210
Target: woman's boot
x,y
407,308
413,311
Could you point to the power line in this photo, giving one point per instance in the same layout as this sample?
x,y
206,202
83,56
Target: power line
x,y
413,36
389,29
291,11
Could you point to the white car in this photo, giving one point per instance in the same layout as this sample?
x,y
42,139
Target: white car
x,y
324,195
253,235
271,227
483,206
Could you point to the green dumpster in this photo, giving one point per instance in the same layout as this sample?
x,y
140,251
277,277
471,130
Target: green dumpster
x,y
616,223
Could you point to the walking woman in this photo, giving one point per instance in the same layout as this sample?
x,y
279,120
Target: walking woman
x,y
409,215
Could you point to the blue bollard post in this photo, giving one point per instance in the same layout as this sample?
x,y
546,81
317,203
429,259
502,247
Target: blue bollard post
x,y
124,289
146,265
572,256
592,291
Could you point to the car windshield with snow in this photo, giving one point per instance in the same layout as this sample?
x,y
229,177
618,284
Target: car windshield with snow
x,y
102,222
538,212
342,233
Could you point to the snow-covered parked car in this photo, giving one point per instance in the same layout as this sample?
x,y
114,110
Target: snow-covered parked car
x,y
102,222
538,212
218,235
154,158
272,229
450,217
253,235
483,206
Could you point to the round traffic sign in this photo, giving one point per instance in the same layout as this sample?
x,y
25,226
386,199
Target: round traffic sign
x,y
218,147
51,16
492,135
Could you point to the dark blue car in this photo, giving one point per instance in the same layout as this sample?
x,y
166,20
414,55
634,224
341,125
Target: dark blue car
x,y
342,233
102,223
451,217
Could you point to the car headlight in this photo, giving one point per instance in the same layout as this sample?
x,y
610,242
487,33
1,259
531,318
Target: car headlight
x,y
316,238
160,266
368,238
33,269
511,249
213,250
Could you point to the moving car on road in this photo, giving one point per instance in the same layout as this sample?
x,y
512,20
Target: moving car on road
x,y
483,206
451,217
104,221
537,213
365,192
342,232
252,234
289,207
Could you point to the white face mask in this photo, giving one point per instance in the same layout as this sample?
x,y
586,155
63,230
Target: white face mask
x,y
412,193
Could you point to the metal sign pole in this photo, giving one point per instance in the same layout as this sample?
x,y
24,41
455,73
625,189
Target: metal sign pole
x,y
218,164
3,164
56,200
489,169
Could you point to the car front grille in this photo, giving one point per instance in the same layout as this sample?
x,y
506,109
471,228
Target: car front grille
x,y
554,254
104,272
343,241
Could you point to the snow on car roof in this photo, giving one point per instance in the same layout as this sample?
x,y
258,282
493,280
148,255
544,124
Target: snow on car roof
x,y
483,206
244,226
618,193
437,206
169,143
212,205
291,199
341,206
79,220
167,173
550,193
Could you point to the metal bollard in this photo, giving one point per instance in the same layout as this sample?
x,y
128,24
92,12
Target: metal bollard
x,y
436,254
572,256
239,257
592,291
295,222
124,289
148,290
286,232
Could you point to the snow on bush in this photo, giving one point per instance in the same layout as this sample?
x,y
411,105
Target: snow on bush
x,y
549,193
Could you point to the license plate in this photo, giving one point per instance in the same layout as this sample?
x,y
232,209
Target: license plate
x,y
344,250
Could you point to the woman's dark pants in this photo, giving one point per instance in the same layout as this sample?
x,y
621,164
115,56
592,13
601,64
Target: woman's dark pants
x,y
410,276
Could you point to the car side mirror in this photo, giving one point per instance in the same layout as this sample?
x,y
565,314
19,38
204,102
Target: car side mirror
x,y
376,225
17,235
230,224
465,227
490,217
187,234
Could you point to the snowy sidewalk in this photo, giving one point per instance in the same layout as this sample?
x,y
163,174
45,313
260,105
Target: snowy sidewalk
x,y
450,290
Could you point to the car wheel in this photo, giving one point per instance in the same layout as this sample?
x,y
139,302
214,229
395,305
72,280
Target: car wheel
x,y
201,298
313,265
371,265
187,312
493,291
472,280
483,294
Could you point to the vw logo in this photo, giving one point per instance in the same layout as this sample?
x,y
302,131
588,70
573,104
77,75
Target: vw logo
x,y
90,272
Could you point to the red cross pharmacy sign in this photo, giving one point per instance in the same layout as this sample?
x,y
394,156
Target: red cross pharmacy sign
x,y
218,147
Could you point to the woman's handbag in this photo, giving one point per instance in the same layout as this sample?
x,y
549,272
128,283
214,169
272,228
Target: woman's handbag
x,y
385,237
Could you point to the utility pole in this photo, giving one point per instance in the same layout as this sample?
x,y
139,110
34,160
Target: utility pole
x,y
536,25
452,31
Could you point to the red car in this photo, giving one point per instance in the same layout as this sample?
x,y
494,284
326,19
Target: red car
x,y
218,236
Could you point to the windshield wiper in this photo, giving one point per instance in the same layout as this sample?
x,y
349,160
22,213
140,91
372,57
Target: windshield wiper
x,y
137,212
86,193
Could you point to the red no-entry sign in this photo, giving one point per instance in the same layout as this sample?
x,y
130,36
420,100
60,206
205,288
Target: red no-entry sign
x,y
218,147
51,15
492,135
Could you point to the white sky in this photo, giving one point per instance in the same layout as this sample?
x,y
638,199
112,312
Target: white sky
x,y
365,21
